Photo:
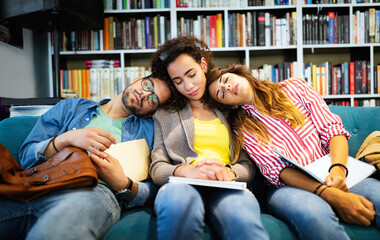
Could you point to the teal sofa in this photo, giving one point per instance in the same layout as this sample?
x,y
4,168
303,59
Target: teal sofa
x,y
140,223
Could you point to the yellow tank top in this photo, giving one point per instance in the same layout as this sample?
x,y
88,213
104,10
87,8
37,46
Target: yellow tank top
x,y
212,140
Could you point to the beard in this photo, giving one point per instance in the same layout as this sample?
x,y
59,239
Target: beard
x,y
132,109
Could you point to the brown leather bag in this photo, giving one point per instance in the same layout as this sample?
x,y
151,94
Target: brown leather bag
x,y
69,168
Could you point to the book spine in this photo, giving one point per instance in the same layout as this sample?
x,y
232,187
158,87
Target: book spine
x,y
358,77
331,27
261,28
364,83
213,35
219,29
267,29
352,77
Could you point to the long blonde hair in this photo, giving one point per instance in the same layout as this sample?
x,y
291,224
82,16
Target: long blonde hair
x,y
268,99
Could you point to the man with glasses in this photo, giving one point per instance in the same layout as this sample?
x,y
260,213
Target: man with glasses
x,y
82,213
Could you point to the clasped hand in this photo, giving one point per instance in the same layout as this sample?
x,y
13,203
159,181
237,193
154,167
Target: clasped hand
x,y
96,141
209,169
337,179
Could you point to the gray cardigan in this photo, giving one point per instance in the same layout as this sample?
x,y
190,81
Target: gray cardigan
x,y
174,146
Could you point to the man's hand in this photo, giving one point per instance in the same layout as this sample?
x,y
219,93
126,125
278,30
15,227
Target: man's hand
x,y
352,208
94,140
206,169
110,171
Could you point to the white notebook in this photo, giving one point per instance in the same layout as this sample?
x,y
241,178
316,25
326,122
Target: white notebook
x,y
134,157
209,183
357,170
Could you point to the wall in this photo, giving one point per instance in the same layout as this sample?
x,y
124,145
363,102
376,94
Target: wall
x,y
24,73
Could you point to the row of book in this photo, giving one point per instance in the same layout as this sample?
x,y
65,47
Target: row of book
x,y
135,4
135,33
212,3
356,102
337,1
246,29
207,28
275,73
262,29
98,83
146,33
366,26
327,28
345,78
270,2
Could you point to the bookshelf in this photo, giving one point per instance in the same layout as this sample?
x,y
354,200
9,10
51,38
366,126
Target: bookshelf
x,y
291,54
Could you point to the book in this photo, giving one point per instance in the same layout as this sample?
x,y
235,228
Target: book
x,y
209,183
134,158
357,170
261,28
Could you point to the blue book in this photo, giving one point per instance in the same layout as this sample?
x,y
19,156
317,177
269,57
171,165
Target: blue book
x,y
148,41
377,26
331,27
346,78
65,80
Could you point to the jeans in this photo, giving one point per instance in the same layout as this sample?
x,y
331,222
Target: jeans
x,y
182,209
311,216
68,214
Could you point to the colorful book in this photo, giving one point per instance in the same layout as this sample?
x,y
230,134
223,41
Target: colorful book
x,y
331,27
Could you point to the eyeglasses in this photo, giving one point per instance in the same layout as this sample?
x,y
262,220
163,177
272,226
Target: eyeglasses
x,y
147,86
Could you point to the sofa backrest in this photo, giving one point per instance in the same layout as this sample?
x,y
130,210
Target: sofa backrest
x,y
14,130
359,122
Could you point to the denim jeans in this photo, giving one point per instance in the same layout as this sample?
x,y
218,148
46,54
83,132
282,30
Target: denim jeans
x,y
182,209
311,216
67,214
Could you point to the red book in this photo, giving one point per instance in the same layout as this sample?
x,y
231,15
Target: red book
x,y
213,35
352,77
364,77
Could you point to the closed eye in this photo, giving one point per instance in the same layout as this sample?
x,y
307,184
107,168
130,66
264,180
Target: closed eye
x,y
220,94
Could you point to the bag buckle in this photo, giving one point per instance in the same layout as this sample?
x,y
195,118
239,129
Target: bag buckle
x,y
34,169
36,183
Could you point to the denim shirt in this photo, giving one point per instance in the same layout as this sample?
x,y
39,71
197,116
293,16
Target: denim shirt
x,y
76,113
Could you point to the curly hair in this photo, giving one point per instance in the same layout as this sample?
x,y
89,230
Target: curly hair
x,y
268,99
169,52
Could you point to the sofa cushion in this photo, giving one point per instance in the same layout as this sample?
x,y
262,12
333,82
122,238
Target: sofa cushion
x,y
359,122
140,223
14,130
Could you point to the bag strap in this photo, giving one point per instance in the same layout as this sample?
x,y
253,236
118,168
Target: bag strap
x,y
54,161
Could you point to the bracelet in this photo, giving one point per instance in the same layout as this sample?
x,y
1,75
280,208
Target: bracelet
x,y
52,143
320,193
341,165
316,189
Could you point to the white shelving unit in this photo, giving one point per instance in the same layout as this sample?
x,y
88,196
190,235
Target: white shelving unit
x,y
247,55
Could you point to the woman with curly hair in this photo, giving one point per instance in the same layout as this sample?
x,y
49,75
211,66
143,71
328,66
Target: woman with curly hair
x,y
193,140
292,117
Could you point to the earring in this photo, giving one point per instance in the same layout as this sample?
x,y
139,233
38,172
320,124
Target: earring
x,y
235,107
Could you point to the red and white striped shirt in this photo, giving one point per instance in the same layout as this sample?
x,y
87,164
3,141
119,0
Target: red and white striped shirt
x,y
302,144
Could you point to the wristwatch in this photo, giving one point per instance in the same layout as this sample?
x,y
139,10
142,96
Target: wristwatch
x,y
125,193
